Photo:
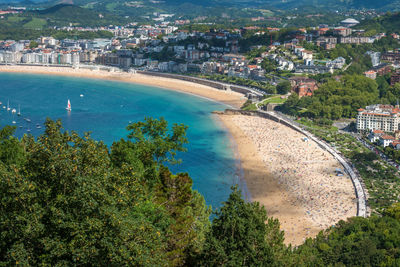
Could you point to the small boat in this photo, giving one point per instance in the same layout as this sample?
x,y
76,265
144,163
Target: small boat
x,y
29,130
38,126
81,95
13,110
4,107
19,110
20,126
27,120
14,122
68,106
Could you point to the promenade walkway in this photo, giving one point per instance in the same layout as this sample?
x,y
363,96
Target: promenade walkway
x,y
249,92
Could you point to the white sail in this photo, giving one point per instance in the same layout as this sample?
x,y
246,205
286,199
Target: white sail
x,y
68,106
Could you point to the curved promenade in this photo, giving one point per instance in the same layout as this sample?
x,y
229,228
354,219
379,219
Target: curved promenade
x,y
358,188
258,94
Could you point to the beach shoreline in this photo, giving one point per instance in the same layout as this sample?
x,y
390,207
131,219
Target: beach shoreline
x,y
292,178
262,164
229,98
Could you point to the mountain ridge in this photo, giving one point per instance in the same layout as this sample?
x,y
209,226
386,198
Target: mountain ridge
x,y
281,4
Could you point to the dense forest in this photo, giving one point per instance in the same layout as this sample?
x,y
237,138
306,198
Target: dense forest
x,y
70,200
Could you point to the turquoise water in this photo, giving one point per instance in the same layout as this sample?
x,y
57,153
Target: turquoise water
x,y
106,109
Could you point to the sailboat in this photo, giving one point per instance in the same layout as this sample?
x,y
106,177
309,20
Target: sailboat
x,y
19,110
8,105
68,106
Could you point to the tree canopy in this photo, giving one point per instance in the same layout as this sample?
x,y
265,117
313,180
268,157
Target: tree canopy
x,y
71,200
242,235
336,98
66,201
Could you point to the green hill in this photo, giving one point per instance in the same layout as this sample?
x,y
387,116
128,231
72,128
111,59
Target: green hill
x,y
66,14
387,23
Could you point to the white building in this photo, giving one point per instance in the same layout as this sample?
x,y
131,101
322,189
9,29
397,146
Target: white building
x,y
379,117
10,57
374,135
338,63
349,22
386,140
375,57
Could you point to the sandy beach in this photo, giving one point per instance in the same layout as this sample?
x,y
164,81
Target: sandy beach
x,y
227,97
294,179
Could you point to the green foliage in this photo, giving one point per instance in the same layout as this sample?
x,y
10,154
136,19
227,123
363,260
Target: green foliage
x,y
164,55
153,137
393,211
387,23
69,200
33,44
336,99
19,33
11,151
355,54
358,242
291,105
248,105
242,235
64,201
63,14
283,87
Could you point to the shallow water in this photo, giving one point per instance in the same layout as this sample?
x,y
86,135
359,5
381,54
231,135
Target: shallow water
x,y
107,107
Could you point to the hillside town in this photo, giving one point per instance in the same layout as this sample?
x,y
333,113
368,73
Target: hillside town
x,y
200,133
165,48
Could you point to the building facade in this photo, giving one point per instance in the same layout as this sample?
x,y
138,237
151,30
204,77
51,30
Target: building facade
x,y
378,117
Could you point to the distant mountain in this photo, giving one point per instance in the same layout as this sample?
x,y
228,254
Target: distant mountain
x,y
171,5
276,4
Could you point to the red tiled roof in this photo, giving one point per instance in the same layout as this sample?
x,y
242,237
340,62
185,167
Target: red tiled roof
x,y
387,137
370,72
395,143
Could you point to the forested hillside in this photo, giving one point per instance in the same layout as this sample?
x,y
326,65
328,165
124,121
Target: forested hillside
x,y
387,23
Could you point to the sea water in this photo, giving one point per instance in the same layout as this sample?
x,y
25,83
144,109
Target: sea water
x,y
105,108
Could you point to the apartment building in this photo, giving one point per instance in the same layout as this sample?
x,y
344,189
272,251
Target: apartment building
x,y
378,117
